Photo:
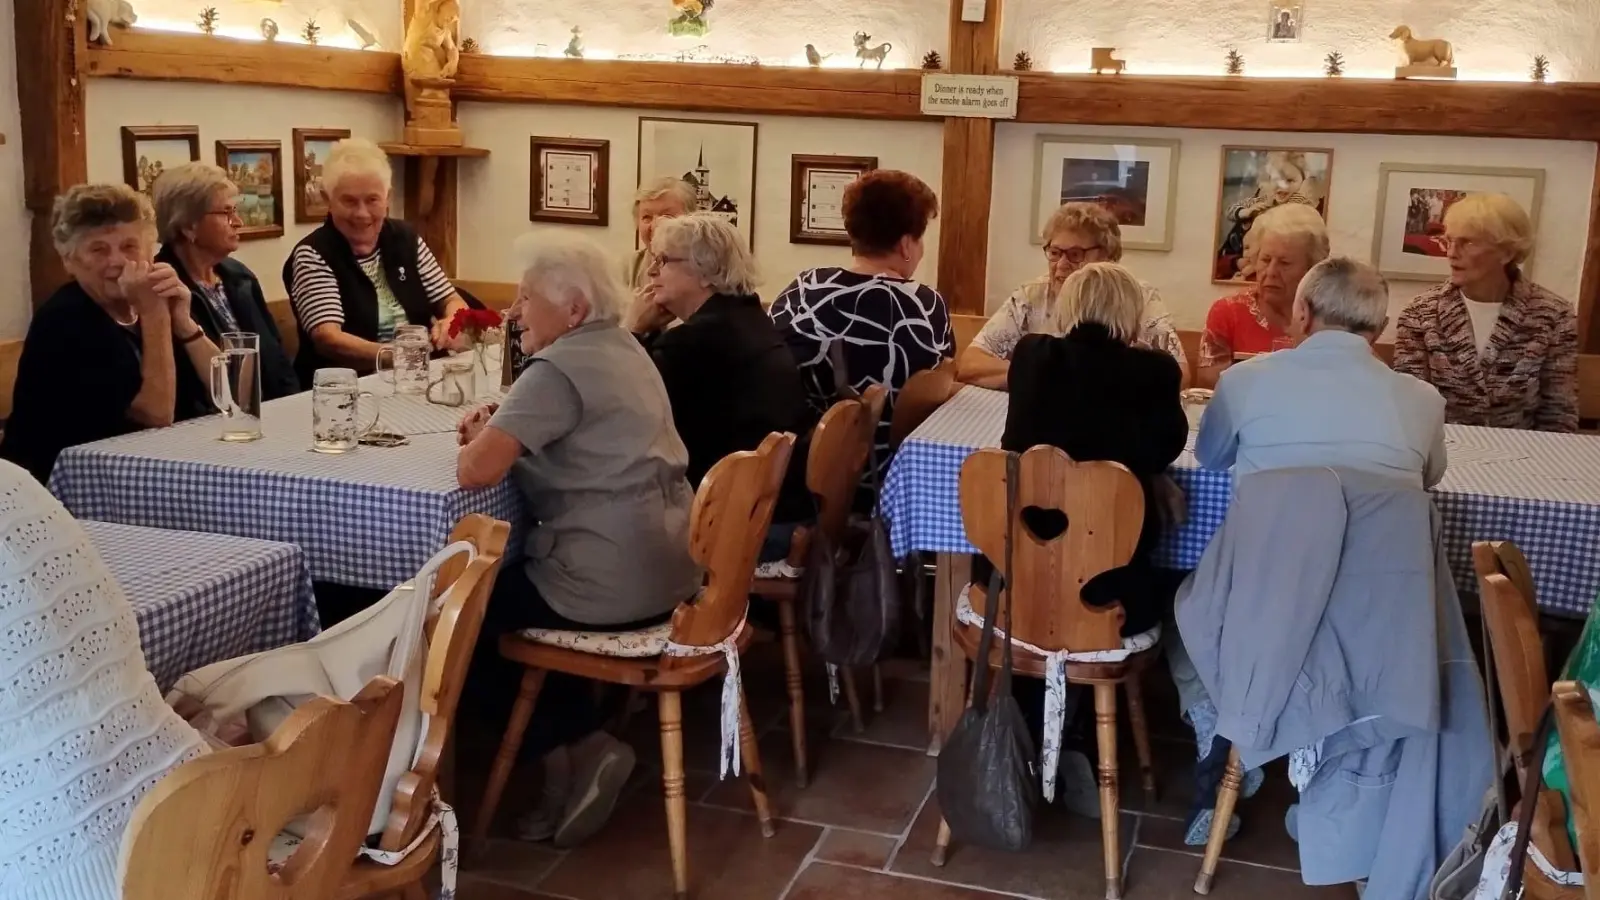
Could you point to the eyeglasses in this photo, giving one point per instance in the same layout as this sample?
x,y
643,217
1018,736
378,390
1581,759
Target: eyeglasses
x,y
1464,244
660,260
1074,255
227,212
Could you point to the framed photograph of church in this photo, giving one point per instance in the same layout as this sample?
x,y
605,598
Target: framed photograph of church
x,y
1408,237
816,196
716,158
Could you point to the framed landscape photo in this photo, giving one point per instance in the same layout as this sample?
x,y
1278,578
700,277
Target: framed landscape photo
x,y
816,196
1136,179
256,169
1408,237
570,181
311,146
1254,180
149,150
717,159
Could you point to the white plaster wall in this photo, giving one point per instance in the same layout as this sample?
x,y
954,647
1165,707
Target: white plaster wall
x,y
224,112
15,303
775,31
242,18
494,191
1493,39
1183,274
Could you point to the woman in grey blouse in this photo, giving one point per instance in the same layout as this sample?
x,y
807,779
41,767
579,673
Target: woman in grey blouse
x,y
586,433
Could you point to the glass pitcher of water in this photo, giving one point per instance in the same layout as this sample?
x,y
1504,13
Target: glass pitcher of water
x,y
236,386
408,359
336,401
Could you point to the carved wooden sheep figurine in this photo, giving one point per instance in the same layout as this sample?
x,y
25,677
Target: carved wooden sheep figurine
x,y
102,14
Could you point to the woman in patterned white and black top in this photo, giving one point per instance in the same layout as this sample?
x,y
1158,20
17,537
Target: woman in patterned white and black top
x,y
886,325
361,274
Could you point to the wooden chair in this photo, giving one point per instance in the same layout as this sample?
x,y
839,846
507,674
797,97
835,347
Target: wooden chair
x,y
1104,508
452,634
1580,748
730,516
920,398
205,829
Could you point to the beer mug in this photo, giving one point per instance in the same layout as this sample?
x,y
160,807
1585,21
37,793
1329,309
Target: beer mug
x,y
408,359
336,401
236,386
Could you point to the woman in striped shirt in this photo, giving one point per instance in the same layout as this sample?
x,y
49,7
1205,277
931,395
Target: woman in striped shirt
x,y
361,274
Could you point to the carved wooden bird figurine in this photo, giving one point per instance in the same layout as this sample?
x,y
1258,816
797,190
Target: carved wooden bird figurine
x,y
690,7
812,56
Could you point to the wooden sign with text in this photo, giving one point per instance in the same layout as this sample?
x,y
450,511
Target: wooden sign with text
x,y
970,96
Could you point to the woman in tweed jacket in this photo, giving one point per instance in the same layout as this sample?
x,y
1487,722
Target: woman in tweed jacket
x,y
1502,350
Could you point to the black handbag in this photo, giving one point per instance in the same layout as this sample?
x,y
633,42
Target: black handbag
x,y
988,774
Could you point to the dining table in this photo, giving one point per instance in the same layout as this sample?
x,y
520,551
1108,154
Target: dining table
x,y
203,598
1537,489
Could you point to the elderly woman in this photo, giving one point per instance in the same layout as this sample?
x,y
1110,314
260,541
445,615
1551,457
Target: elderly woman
x,y
197,221
662,199
870,317
1076,235
586,432
1289,239
728,375
362,273
102,355
1502,350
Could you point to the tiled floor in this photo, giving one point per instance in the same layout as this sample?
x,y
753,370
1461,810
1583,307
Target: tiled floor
x,y
865,826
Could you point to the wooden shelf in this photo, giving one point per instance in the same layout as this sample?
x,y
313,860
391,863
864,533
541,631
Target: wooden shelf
x,y
175,56
413,150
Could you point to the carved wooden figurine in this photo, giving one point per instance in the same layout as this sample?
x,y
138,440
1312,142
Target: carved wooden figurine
x,y
102,14
870,54
429,61
1425,58
1100,59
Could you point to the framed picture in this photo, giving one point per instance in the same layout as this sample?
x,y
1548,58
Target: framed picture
x,y
717,159
1254,180
311,146
570,181
1134,178
149,150
1408,237
1284,21
256,168
816,196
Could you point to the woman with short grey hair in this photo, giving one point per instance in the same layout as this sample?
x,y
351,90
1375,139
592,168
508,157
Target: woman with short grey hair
x,y
197,220
654,202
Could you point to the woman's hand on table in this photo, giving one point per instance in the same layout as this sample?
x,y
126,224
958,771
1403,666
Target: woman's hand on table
x,y
472,423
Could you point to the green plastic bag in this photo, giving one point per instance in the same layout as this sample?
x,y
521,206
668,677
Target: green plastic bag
x,y
1583,667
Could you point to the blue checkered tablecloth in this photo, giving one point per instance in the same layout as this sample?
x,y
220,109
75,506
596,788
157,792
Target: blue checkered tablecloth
x,y
368,518
1540,490
202,598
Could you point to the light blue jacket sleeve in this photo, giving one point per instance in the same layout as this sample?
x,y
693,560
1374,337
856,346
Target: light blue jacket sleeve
x,y
1217,444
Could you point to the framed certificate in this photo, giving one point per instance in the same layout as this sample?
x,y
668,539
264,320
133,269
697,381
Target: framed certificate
x,y
816,198
570,181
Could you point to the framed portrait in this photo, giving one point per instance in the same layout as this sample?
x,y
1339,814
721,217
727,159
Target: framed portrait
x,y
570,181
149,150
1134,178
256,169
717,160
1254,180
1408,237
311,146
816,196
1285,20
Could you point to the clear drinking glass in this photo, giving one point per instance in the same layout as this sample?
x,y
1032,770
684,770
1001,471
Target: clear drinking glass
x,y
336,400
408,359
236,386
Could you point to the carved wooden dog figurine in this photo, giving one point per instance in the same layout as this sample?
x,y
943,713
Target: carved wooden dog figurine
x,y
865,53
1424,53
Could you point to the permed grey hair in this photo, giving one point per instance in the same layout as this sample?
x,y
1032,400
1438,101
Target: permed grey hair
x,y
90,207
1104,293
564,268
183,197
713,247
1091,220
1346,294
355,156
675,188
1294,220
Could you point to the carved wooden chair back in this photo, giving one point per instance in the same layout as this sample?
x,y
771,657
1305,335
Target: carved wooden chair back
x,y
1523,681
1580,750
838,454
921,396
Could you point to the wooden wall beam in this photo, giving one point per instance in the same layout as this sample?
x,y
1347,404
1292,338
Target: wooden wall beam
x,y
1589,286
54,152
170,56
434,178
968,180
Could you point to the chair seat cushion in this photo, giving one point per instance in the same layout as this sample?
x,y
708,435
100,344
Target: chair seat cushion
x,y
644,643
1137,643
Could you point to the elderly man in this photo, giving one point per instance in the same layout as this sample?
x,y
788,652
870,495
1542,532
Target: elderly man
x,y
1329,401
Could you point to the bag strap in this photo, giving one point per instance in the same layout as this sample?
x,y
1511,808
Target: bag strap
x,y
1013,477
1491,696
999,581
1530,799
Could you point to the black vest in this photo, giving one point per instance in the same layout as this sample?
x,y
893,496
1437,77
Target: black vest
x,y
397,243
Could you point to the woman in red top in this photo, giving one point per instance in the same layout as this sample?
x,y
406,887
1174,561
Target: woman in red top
x,y
1291,239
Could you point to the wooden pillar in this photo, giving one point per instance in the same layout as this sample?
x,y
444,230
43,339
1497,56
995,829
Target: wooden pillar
x,y
967,186
431,205
50,41
1589,286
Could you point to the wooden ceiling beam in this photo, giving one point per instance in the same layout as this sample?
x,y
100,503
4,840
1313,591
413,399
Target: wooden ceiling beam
x,y
172,56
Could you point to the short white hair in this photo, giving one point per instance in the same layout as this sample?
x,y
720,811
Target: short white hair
x,y
1346,294
183,197
716,250
668,187
356,156
564,268
1295,220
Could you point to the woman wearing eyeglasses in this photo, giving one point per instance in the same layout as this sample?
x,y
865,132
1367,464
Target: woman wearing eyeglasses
x,y
1076,235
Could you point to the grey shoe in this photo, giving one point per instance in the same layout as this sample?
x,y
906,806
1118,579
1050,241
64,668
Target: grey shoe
x,y
598,783
537,825
1076,786
1251,783
1199,833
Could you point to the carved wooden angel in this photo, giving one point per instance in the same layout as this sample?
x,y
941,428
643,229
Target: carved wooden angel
x,y
432,50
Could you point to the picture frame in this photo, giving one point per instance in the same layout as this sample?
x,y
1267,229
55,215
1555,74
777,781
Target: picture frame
x,y
149,150
1285,21
717,157
569,181
1412,201
256,168
310,147
1253,179
1136,178
816,196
